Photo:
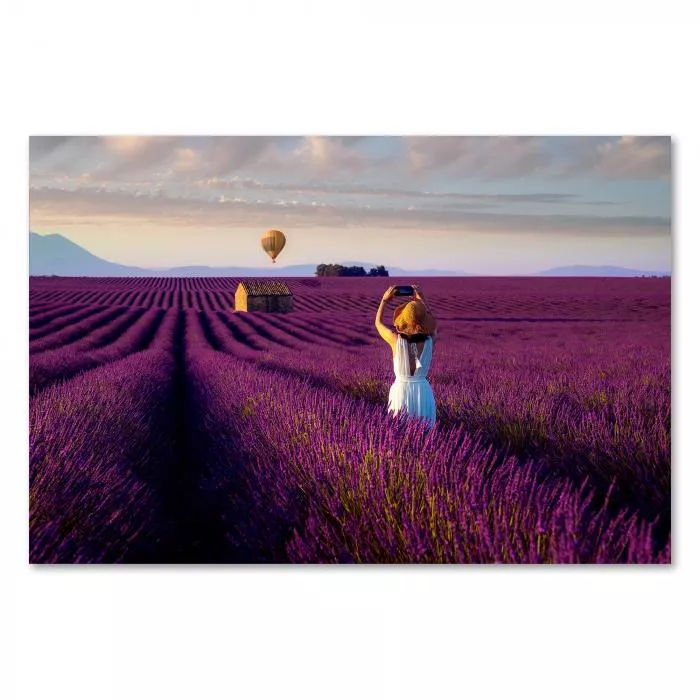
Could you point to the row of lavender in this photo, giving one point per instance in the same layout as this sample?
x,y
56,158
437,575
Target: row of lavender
x,y
103,460
105,336
468,298
65,342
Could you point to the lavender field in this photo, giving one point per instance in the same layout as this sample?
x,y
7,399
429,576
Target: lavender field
x,y
166,428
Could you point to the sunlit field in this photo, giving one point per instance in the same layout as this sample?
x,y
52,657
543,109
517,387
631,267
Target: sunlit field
x,y
164,427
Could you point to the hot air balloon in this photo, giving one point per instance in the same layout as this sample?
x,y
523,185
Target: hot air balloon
x,y
272,242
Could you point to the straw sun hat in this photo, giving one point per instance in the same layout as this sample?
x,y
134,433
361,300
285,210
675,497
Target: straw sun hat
x,y
413,318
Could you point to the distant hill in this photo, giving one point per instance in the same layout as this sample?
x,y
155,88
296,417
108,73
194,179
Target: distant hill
x,y
597,271
53,254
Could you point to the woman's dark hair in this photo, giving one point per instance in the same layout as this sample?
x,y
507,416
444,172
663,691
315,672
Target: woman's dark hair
x,y
416,338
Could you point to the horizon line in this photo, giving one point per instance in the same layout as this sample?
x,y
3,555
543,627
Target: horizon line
x,y
446,272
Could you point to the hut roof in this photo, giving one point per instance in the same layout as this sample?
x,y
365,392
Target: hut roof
x,y
263,288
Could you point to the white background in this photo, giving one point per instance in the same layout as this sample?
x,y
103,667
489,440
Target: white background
x,y
364,67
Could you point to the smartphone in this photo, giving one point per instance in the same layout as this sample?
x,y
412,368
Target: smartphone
x,y
404,291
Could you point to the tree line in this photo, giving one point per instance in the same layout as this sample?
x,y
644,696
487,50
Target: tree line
x,y
350,271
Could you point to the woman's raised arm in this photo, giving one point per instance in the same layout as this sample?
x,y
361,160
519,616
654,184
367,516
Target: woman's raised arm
x,y
386,333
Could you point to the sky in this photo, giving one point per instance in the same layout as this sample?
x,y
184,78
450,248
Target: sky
x,y
475,204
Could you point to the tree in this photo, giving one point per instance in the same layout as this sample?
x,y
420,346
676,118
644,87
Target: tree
x,y
329,270
324,270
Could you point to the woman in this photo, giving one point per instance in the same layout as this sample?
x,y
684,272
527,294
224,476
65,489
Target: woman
x,y
411,344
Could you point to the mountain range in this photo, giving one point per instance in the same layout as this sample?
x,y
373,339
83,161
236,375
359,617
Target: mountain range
x,y
54,254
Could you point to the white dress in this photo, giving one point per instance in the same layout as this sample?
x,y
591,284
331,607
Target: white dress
x,y
412,394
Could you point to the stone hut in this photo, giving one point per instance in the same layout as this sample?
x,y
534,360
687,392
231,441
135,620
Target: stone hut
x,y
263,295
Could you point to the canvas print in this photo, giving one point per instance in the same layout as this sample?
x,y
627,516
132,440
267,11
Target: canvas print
x,y
351,349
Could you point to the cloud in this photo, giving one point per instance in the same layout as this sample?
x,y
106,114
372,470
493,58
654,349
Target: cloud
x,y
221,156
401,159
505,157
220,189
51,156
63,207
118,157
303,156
136,154
187,160
235,182
487,157
42,146
635,157
323,154
475,199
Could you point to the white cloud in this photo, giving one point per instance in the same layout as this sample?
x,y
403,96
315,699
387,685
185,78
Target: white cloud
x,y
63,207
323,154
218,160
134,154
186,160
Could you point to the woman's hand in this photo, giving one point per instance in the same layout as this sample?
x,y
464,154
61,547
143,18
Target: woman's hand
x,y
389,293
